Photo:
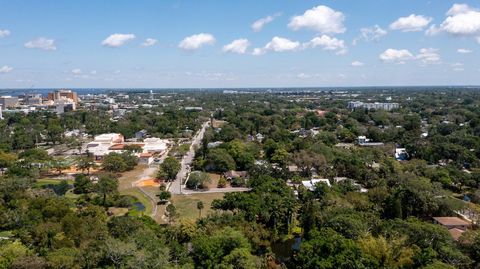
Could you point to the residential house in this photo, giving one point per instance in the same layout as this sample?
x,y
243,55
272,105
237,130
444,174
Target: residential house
x,y
401,154
235,174
141,134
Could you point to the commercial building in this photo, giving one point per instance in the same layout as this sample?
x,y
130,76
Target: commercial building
x,y
32,99
385,106
8,101
64,106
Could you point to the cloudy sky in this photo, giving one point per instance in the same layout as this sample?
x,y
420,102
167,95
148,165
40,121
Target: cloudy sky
x,y
241,43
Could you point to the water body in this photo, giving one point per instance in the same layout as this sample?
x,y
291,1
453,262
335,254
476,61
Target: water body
x,y
138,206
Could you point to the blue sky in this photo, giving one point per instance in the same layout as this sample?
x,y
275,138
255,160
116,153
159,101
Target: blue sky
x,y
214,43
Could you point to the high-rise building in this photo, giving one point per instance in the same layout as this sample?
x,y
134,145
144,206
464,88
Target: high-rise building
x,y
63,94
8,101
32,99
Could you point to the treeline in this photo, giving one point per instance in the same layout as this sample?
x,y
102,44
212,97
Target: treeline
x,y
20,131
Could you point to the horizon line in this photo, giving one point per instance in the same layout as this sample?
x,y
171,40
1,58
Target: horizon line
x,y
240,88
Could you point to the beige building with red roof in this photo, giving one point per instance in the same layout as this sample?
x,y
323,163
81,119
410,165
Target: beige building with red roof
x,y
455,225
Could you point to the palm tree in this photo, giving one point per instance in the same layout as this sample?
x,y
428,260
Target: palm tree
x,y
199,207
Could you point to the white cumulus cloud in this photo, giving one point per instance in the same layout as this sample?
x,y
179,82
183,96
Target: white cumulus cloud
x,y
278,44
258,51
77,71
239,46
4,33
411,23
327,43
304,76
258,25
117,40
458,9
425,56
322,19
149,42
433,30
194,42
457,67
6,69
41,43
428,56
462,20
357,63
396,56
374,33
464,51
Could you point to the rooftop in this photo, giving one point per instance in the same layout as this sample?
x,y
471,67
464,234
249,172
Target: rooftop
x,y
456,233
451,221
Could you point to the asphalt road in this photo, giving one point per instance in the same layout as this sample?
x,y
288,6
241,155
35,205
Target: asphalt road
x,y
176,186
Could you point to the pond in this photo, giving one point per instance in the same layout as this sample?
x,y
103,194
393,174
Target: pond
x,y
285,249
138,206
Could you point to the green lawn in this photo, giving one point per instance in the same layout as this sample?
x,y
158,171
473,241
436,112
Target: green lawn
x,y
71,195
50,181
187,204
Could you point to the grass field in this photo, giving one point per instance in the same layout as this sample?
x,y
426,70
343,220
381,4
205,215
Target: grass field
x,y
141,198
49,181
187,204
125,187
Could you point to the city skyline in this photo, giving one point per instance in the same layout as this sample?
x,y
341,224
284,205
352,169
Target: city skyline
x,y
238,44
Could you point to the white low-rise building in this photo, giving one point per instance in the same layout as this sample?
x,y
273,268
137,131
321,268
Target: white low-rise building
x,y
310,184
100,146
155,145
107,143
109,138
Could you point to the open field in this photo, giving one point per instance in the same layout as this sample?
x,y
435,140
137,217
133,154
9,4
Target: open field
x,y
127,178
187,204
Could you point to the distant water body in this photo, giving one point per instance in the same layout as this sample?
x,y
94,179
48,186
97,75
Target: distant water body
x,y
84,91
